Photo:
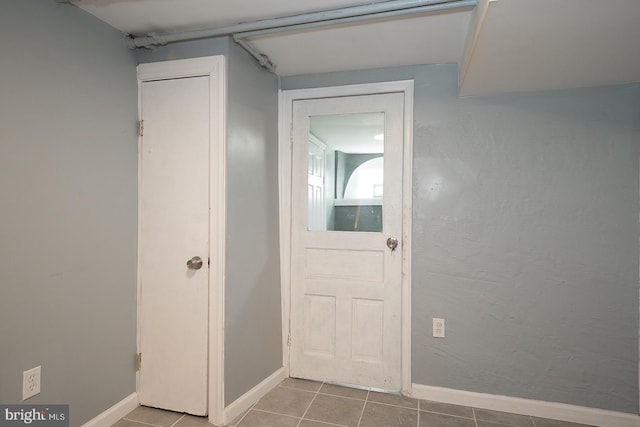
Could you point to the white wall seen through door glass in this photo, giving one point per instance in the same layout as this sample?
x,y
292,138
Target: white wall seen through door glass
x,y
345,165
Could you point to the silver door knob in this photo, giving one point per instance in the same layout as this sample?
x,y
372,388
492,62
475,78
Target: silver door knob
x,y
392,243
194,263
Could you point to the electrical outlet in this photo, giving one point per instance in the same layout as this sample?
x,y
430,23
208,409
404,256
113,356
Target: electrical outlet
x,y
31,382
438,328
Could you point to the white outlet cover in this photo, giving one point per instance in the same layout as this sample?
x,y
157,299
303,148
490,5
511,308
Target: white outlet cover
x,y
438,327
31,382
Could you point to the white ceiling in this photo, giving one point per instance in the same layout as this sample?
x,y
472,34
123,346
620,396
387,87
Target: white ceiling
x,y
526,45
501,45
350,133
434,38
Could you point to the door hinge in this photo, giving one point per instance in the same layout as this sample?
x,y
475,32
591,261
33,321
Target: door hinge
x,y
141,127
138,361
289,340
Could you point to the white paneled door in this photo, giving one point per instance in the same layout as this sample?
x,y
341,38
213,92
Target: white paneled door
x,y
346,293
174,244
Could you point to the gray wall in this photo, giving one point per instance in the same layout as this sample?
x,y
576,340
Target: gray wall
x,y
525,224
183,50
68,180
525,238
253,339
253,326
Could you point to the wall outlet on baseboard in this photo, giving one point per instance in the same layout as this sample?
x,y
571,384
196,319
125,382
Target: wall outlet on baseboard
x,y
438,328
31,382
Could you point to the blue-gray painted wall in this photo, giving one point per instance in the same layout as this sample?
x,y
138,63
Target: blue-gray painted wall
x,y
525,228
525,238
253,321
68,216
184,50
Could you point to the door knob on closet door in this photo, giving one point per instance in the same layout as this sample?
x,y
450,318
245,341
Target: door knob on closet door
x,y
195,263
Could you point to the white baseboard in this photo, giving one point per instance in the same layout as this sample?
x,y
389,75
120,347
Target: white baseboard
x,y
113,414
536,408
244,402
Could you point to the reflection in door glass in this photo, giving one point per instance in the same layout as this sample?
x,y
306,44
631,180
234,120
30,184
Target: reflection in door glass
x,y
345,170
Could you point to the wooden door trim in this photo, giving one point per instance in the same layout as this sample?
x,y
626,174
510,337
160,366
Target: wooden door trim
x,y
214,68
286,100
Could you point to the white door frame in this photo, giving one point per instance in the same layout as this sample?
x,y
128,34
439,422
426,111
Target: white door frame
x,y
212,67
286,100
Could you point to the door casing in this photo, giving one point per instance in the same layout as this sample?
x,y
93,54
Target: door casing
x,y
213,68
286,100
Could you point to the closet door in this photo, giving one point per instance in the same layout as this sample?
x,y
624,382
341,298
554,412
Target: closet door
x,y
174,244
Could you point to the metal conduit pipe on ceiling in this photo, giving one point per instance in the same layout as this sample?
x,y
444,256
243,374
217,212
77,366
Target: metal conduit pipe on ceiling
x,y
262,59
297,22
390,14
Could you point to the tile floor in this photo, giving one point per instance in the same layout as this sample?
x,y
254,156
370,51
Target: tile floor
x,y
301,403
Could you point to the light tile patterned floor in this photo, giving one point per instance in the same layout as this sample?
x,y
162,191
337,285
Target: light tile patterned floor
x,y
301,403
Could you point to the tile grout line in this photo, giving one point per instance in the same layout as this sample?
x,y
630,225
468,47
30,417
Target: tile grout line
x,y
397,406
141,422
178,420
276,413
297,388
444,413
324,393
245,415
447,414
310,403
325,422
450,415
343,397
366,399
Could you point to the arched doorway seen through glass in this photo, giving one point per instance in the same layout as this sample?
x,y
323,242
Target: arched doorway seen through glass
x,y
345,172
366,181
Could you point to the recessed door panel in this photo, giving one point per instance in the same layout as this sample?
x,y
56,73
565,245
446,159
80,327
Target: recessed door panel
x,y
367,339
362,265
320,325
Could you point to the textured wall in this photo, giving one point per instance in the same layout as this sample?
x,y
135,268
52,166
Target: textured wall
x,y
525,238
68,180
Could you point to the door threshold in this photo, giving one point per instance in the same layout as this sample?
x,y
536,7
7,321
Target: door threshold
x,y
364,387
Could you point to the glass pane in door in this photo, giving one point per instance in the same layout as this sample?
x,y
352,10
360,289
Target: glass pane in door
x,y
345,171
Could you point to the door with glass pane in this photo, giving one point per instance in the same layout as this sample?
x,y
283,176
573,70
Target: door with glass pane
x,y
346,230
